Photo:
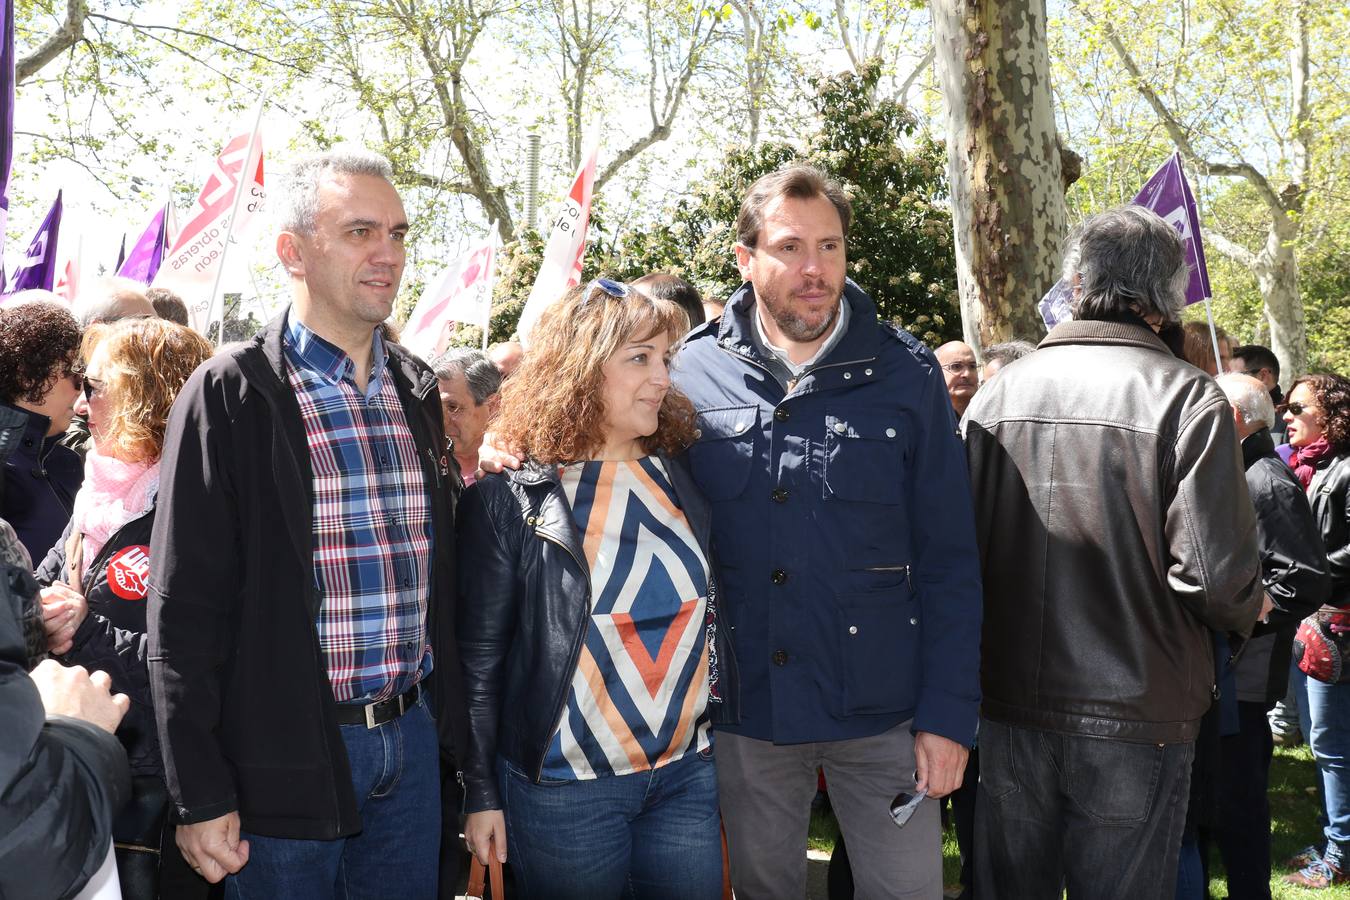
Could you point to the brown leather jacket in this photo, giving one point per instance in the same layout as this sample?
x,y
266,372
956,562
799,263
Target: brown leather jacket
x,y
1115,530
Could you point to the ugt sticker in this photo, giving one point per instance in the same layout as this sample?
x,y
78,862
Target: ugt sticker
x,y
129,572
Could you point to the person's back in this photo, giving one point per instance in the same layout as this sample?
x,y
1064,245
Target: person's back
x,y
1080,453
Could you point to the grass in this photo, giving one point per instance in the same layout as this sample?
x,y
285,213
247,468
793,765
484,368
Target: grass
x,y
1293,810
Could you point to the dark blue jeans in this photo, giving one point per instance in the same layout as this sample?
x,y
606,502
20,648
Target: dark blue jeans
x,y
395,770
648,835
1100,817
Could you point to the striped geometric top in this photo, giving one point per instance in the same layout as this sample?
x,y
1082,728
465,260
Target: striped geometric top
x,y
640,692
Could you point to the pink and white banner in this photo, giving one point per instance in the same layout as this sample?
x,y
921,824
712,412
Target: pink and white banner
x,y
191,266
462,293
566,246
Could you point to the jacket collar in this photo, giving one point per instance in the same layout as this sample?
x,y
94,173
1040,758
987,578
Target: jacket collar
x,y
1096,332
861,341
1257,445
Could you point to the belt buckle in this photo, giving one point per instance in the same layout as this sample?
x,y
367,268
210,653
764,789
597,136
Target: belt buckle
x,y
370,716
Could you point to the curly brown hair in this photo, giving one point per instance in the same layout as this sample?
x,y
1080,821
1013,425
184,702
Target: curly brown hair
x,y
1332,393
551,407
39,343
146,362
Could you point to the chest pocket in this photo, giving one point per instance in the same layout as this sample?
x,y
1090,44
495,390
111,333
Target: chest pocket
x,y
722,456
865,453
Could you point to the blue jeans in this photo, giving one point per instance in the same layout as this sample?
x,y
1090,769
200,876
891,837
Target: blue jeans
x,y
653,834
395,771
1101,817
1329,738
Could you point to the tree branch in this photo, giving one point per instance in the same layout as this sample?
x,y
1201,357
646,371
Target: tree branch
x,y
65,37
918,70
1174,128
1231,249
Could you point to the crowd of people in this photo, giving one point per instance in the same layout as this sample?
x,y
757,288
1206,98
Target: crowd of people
x,y
622,596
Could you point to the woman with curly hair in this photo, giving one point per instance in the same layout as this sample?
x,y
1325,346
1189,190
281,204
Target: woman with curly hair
x,y
95,577
39,381
593,652
1318,416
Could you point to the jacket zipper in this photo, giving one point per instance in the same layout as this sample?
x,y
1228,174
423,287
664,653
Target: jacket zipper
x,y
812,370
561,703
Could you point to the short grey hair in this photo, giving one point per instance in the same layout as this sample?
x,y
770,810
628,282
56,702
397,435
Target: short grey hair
x,y
1008,351
105,300
300,186
1127,264
474,367
1252,401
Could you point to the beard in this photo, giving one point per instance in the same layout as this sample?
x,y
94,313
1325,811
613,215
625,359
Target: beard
x,y
794,326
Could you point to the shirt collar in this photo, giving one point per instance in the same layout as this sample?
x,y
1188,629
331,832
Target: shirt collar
x,y
837,331
329,361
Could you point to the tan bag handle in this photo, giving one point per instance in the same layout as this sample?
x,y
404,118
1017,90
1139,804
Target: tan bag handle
x,y
477,871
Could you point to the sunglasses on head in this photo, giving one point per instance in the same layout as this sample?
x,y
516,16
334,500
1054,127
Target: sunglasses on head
x,y
616,289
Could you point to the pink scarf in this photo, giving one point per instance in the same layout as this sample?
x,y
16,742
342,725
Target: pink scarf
x,y
114,492
1305,459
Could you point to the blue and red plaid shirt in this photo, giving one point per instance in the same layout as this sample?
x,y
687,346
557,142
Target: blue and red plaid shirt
x,y
372,520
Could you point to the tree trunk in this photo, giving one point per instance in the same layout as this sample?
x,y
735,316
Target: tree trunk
x,y
1003,162
1276,271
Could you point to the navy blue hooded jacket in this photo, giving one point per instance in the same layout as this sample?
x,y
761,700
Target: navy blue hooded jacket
x,y
843,527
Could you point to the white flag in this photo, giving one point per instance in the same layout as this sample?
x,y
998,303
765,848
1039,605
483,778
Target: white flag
x,y
462,293
193,261
566,247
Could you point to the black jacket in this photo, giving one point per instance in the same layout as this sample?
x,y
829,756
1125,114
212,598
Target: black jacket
x,y
40,480
61,780
1329,495
1293,569
1115,532
241,694
523,613
112,637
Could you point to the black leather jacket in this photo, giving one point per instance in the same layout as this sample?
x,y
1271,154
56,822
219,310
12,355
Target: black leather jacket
x,y
523,611
1115,532
1329,495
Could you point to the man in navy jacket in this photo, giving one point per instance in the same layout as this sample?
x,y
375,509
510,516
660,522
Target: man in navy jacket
x,y
846,556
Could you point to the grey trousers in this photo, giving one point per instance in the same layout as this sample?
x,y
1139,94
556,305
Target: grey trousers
x,y
766,791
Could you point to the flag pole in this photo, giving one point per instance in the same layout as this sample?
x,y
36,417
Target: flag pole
x,y
1213,336
491,283
244,175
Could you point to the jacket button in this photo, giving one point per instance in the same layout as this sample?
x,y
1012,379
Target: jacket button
x,y
778,576
779,495
914,621
780,657
853,629
781,414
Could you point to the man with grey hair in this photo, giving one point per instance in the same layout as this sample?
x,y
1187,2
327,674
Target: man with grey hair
x,y
1295,573
468,383
303,575
999,355
112,298
1115,534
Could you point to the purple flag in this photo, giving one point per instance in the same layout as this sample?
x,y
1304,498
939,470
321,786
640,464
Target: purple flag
x,y
38,269
143,261
6,118
1168,194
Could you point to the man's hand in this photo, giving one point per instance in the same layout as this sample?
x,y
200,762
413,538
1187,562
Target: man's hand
x,y
941,763
1267,607
213,848
485,831
71,691
493,458
63,609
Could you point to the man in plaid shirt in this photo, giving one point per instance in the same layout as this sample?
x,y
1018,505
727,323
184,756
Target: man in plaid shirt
x,y
302,644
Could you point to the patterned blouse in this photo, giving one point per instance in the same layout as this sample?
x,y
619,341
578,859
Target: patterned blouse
x,y
639,696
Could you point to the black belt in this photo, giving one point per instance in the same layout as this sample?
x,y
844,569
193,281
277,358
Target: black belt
x,y
373,715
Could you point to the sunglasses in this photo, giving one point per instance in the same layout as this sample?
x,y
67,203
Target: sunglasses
x,y
905,805
90,386
1297,409
616,289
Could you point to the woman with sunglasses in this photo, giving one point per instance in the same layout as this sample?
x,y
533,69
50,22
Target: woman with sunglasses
x,y
1318,416
593,651
95,578
39,357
